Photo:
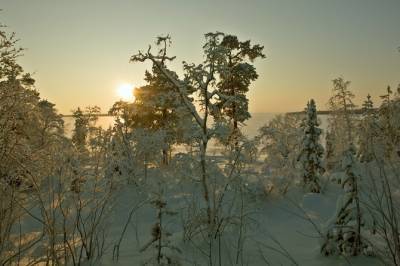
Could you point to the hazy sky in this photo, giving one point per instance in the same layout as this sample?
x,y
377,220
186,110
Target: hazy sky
x,y
79,49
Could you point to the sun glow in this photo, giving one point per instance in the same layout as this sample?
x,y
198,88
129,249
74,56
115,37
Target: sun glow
x,y
125,92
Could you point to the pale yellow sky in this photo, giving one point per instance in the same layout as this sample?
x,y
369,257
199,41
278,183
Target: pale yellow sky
x,y
79,50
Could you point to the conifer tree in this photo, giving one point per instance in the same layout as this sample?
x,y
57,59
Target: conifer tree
x,y
368,130
389,122
345,236
85,126
236,78
312,150
157,106
329,150
51,123
165,249
80,132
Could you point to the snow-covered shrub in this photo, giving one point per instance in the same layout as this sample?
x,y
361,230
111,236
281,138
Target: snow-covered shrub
x,y
388,140
280,142
166,253
75,201
345,231
382,202
133,153
30,128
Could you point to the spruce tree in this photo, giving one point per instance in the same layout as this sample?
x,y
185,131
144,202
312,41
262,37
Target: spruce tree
x,y
389,122
80,132
166,251
344,237
312,150
330,160
367,129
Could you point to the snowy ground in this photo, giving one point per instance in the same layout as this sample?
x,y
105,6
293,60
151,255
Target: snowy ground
x,y
276,226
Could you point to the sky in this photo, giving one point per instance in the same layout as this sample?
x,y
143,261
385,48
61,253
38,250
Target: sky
x,y
79,50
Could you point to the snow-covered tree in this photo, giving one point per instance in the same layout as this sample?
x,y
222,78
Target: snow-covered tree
x,y
200,78
19,129
160,237
30,137
158,106
85,126
382,203
344,235
236,78
389,124
51,123
312,151
342,122
80,129
26,121
329,150
280,142
125,116
206,114
368,129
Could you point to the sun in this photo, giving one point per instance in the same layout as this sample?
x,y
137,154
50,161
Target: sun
x,y
125,92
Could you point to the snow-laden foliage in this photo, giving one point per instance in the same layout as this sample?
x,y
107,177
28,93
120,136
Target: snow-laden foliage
x,y
311,151
234,82
84,126
201,79
379,128
132,153
389,125
382,201
342,122
367,130
158,105
169,185
280,142
54,198
344,235
208,219
166,252
30,129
